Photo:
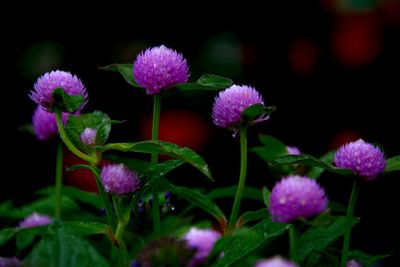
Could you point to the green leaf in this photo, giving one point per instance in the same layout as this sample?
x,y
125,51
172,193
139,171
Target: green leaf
x,y
26,236
61,247
66,102
266,193
206,82
393,164
248,193
96,120
365,259
212,80
308,160
253,112
138,165
76,194
252,216
126,70
88,228
316,172
6,234
272,148
319,237
247,241
166,148
197,199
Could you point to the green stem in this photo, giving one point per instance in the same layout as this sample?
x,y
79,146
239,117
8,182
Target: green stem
x,y
58,184
293,239
123,219
104,197
68,142
350,212
154,161
242,176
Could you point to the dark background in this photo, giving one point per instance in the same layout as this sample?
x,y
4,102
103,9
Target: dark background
x,y
331,68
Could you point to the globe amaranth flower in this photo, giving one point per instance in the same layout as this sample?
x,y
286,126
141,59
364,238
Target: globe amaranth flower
x,y
230,103
203,241
48,82
353,263
292,150
88,136
35,219
296,196
362,158
158,68
44,123
10,262
118,179
276,261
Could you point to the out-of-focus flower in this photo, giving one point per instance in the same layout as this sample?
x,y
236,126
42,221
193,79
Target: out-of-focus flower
x,y
276,261
35,219
44,123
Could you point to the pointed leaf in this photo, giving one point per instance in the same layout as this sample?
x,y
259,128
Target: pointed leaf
x,y
225,192
252,216
126,70
256,111
393,164
365,259
319,237
88,228
266,193
6,234
66,102
97,120
212,80
271,149
245,243
166,148
61,247
315,172
308,160
197,199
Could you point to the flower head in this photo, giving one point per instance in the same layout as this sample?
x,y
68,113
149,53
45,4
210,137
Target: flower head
x,y
362,158
44,123
353,263
203,241
158,68
230,103
296,196
276,261
48,82
292,150
88,136
35,219
118,179
10,262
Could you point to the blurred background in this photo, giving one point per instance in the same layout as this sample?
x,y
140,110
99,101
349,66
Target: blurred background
x,y
330,67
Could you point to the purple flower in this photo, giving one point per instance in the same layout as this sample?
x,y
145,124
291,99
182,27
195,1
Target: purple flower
x,y
44,123
276,261
35,219
48,82
158,68
203,241
292,150
88,136
230,103
296,196
118,179
362,158
9,262
353,263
